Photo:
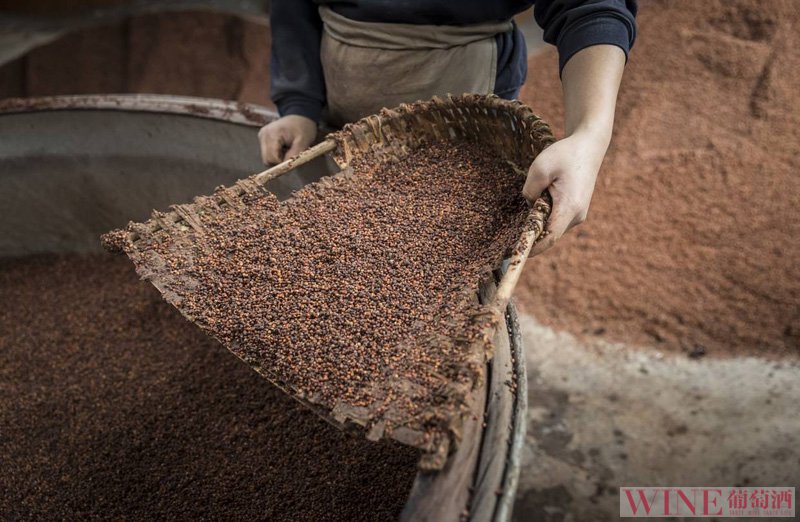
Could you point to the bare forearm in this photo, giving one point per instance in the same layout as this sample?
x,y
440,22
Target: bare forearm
x,y
590,82
568,168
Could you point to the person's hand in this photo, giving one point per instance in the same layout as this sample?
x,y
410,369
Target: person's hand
x,y
285,138
568,168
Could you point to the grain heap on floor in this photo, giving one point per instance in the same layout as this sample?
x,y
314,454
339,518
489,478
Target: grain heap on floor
x,y
113,406
358,293
692,238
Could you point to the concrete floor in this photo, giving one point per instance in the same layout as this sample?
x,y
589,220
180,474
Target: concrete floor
x,y
605,415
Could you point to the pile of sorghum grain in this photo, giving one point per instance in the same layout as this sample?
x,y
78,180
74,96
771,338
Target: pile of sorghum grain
x,y
112,406
352,291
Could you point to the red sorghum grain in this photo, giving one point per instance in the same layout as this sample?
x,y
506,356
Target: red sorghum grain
x,y
112,406
359,290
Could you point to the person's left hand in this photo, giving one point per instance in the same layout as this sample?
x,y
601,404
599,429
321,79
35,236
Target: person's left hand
x,y
568,168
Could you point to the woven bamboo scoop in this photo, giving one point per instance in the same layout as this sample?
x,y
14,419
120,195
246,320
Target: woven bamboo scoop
x,y
509,128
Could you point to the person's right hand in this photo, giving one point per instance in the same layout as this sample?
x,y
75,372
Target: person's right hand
x,y
285,138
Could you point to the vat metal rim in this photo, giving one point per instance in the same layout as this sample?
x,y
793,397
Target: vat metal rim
x,y
242,113
510,480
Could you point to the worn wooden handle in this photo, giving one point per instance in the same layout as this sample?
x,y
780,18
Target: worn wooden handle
x,y
307,155
534,231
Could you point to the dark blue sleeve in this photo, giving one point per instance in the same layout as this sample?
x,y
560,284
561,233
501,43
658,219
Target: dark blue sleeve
x,y
572,25
296,80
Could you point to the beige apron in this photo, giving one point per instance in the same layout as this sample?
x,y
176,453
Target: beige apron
x,y
368,66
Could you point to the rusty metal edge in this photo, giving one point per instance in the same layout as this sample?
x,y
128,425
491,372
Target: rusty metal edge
x,y
505,503
209,108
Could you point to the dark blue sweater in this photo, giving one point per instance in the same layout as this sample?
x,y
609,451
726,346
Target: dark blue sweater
x,y
298,86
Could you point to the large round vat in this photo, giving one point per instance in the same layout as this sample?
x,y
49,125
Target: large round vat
x,y
72,168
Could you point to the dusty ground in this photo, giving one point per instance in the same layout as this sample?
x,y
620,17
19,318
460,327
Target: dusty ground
x,y
603,416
